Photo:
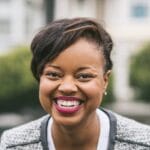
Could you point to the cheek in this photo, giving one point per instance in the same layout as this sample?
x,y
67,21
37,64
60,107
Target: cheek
x,y
94,91
46,87
45,92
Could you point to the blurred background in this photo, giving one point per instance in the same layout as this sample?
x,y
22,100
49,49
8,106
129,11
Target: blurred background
x,y
127,21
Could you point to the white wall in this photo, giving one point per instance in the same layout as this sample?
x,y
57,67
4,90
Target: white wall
x,y
75,8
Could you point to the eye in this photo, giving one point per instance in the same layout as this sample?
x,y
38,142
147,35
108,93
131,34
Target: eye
x,y
53,75
83,77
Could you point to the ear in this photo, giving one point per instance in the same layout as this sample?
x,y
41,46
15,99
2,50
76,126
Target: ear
x,y
106,78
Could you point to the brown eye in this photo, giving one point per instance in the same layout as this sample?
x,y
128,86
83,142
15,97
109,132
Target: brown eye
x,y
84,77
53,75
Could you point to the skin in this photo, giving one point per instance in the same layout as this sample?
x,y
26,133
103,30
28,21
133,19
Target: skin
x,y
78,72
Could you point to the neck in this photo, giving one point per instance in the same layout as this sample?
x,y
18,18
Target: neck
x,y
85,134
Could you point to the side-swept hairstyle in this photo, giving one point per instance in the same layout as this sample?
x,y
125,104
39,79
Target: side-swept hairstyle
x,y
60,34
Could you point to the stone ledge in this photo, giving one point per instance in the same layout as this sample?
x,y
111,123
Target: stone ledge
x,y
136,110
12,119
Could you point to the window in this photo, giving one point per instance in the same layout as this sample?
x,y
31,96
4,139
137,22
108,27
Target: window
x,y
140,11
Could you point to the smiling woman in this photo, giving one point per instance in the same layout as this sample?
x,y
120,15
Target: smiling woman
x,y
61,84
71,62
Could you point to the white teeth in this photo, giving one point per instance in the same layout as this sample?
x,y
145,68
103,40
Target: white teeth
x,y
67,103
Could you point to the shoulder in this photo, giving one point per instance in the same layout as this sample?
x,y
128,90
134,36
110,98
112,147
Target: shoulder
x,y
22,135
131,132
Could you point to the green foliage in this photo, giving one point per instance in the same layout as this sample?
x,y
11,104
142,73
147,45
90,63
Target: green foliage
x,y
18,89
140,74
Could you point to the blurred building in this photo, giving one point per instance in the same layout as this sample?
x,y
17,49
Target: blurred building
x,y
128,21
19,19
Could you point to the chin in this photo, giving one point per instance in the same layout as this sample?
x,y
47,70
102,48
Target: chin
x,y
66,120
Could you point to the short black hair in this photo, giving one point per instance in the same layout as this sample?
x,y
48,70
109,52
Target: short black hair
x,y
60,34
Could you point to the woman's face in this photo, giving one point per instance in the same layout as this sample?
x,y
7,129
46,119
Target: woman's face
x,y
72,85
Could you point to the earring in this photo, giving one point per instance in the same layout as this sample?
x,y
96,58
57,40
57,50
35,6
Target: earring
x,y
105,93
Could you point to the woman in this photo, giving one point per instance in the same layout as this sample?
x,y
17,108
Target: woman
x,y
71,61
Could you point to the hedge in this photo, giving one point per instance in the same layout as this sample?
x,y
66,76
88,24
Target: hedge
x,y
140,74
18,89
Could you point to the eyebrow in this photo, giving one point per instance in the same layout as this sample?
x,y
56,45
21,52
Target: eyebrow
x,y
52,65
84,68
78,70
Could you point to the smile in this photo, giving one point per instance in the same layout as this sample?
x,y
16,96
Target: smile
x,y
67,105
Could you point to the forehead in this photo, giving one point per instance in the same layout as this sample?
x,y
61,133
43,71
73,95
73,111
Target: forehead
x,y
81,53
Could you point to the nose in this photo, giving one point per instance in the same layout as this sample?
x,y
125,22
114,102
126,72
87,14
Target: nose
x,y
68,86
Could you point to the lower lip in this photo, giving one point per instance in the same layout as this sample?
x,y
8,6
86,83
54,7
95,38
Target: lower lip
x,y
67,110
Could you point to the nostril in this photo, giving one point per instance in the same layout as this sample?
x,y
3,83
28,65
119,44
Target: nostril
x,y
67,87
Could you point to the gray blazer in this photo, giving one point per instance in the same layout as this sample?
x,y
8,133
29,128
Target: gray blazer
x,y
125,134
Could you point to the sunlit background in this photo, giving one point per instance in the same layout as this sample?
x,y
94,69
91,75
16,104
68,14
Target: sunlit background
x,y
128,22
